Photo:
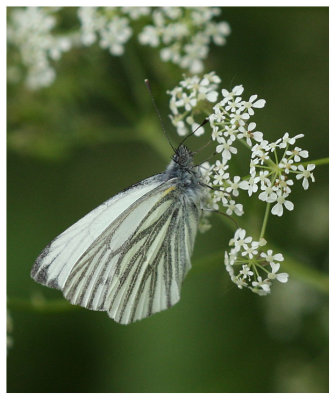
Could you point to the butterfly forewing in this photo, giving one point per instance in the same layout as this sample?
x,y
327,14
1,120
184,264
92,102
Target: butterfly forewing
x,y
128,256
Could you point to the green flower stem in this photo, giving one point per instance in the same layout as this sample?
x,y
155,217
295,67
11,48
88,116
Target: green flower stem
x,y
320,161
263,228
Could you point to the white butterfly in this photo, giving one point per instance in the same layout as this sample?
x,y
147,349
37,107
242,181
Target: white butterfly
x,y
130,255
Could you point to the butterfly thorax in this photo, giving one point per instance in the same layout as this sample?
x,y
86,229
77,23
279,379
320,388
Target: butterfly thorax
x,y
188,176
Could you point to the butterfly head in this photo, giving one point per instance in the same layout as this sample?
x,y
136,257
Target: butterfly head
x,y
187,174
183,157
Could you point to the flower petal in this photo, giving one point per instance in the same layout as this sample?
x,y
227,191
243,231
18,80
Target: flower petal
x,y
259,103
283,277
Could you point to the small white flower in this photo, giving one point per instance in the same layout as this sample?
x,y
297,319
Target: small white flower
x,y
260,149
268,194
221,166
115,34
306,174
250,185
150,35
253,103
263,284
234,186
253,164
273,145
297,153
225,148
246,272
233,207
249,134
181,128
218,31
284,184
240,239
188,102
230,132
282,277
286,140
218,116
216,133
229,259
287,165
250,251
277,209
271,258
205,170
219,196
233,104
218,178
136,12
210,78
239,119
238,281
264,180
211,96
236,91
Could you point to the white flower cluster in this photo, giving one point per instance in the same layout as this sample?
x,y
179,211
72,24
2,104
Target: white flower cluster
x,y
184,34
190,94
271,163
250,267
110,24
30,31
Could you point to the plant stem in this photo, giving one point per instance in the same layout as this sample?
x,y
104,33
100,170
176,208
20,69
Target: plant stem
x,y
263,228
320,161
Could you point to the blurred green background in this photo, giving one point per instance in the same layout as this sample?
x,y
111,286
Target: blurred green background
x,y
93,133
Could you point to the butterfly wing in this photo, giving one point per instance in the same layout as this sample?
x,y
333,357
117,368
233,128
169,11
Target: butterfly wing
x,y
127,257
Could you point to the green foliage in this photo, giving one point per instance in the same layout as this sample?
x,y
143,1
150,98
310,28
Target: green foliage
x,y
94,132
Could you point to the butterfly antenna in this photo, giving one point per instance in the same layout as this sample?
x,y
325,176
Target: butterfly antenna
x,y
232,80
224,215
203,147
158,114
190,134
207,159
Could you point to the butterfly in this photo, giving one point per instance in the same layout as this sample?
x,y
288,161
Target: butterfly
x,y
129,256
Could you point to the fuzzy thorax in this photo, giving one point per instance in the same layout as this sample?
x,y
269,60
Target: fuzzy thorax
x,y
182,167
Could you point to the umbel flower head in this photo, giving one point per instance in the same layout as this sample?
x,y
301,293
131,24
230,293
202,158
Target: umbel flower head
x,y
31,31
184,34
272,165
181,35
250,267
